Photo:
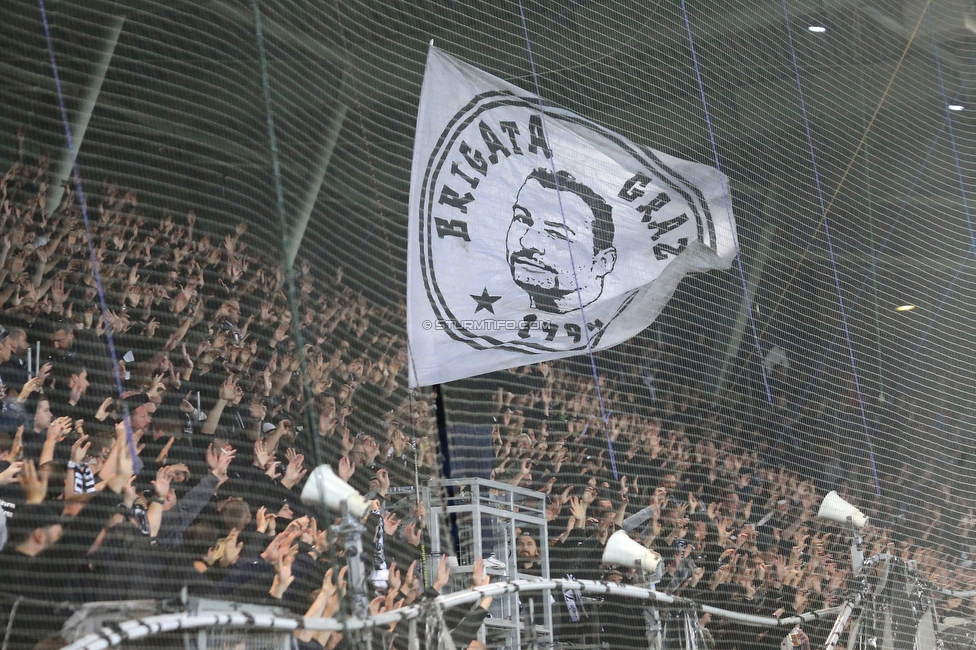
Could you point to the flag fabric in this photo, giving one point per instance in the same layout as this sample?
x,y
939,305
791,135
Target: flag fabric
x,y
536,234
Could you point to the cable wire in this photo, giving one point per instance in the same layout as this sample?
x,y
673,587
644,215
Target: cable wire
x,y
830,244
604,415
96,266
725,191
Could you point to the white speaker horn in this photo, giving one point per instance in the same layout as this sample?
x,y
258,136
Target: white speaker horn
x,y
835,508
622,550
325,488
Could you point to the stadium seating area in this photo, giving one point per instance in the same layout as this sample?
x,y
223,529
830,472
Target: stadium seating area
x,y
229,403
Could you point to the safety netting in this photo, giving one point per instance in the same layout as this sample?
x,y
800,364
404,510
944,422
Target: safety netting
x,y
204,287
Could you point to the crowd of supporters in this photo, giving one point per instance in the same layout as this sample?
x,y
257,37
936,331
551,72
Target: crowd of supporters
x,y
176,455
161,442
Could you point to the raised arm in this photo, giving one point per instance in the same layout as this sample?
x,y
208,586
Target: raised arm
x,y
227,393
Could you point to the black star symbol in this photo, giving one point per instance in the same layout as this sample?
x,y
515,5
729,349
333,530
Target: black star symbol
x,y
485,301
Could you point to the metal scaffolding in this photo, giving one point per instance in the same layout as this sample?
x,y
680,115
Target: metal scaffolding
x,y
483,518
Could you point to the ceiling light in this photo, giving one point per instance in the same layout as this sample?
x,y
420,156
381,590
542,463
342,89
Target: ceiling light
x,y
905,308
955,107
817,29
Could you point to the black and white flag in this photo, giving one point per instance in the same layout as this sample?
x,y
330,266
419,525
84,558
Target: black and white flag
x,y
536,234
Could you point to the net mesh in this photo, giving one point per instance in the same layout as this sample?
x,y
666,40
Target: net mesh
x,y
241,184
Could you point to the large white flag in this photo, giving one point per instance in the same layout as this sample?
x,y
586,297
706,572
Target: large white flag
x,y
536,234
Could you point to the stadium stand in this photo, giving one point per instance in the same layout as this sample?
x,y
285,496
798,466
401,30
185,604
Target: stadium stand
x,y
210,500
169,381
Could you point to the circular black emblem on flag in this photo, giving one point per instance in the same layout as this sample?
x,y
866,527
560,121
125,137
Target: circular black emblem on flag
x,y
538,229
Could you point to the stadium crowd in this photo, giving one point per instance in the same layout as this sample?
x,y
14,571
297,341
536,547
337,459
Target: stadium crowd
x,y
180,465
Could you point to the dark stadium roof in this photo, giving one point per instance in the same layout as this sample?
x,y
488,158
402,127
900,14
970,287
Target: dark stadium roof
x,y
180,116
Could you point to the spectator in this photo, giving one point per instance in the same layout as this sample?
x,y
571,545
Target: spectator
x,y
14,371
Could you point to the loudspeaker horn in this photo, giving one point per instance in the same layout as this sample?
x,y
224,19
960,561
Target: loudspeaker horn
x,y
325,488
622,550
835,508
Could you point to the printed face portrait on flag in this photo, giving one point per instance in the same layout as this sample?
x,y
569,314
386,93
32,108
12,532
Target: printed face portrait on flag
x,y
536,234
553,214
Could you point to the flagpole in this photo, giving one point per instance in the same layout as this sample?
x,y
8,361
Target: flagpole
x,y
442,430
445,458
416,490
